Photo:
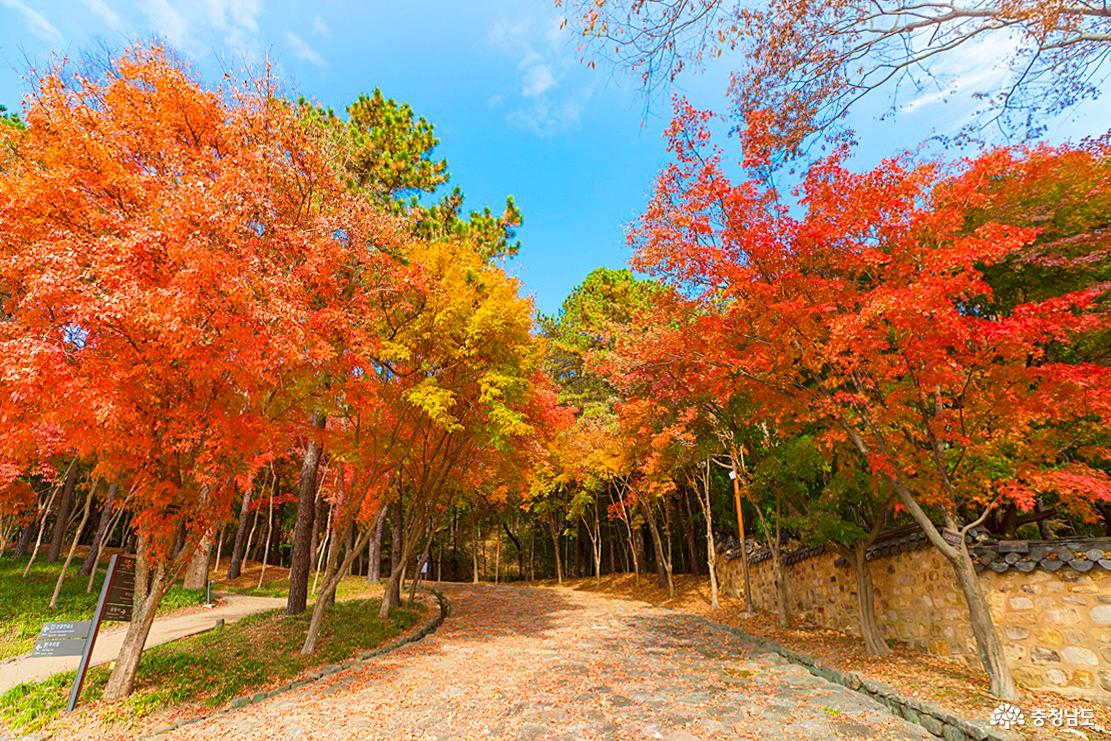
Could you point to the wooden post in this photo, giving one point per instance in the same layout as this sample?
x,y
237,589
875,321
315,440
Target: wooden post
x,y
733,474
90,642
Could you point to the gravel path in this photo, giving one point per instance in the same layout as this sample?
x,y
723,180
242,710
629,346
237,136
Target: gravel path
x,y
532,663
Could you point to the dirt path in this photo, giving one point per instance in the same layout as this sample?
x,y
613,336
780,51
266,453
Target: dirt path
x,y
165,629
528,663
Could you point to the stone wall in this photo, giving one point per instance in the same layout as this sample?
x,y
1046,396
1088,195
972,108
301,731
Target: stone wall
x,y
1055,625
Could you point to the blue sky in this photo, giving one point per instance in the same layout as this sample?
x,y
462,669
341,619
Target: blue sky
x,y
515,109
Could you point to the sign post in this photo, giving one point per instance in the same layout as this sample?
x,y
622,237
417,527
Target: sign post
x,y
77,638
74,638
61,639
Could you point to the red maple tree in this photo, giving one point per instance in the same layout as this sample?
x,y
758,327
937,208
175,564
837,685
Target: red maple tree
x,y
864,315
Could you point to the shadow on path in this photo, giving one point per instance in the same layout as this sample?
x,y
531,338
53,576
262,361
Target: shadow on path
x,y
534,662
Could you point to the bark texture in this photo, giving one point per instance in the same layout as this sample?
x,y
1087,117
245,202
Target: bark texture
x,y
61,519
301,560
101,534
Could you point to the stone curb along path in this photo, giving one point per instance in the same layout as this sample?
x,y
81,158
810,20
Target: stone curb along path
x,y
929,715
424,629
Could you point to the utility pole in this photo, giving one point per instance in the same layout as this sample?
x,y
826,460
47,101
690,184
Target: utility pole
x,y
735,476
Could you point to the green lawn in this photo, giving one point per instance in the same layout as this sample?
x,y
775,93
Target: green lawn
x,y
256,653
24,603
348,588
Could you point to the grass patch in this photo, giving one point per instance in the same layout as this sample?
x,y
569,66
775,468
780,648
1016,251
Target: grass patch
x,y
348,587
25,602
31,706
259,652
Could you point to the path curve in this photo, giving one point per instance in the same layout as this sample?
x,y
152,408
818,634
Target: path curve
x,y
165,629
531,663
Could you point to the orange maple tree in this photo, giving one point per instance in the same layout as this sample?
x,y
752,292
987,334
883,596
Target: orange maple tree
x,y
174,261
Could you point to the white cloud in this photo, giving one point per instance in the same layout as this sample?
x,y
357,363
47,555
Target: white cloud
x,y
237,20
544,102
35,21
320,27
537,77
191,26
546,118
101,10
230,15
509,36
302,50
971,68
168,23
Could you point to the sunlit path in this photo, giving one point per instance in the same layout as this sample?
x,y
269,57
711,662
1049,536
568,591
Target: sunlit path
x,y
513,662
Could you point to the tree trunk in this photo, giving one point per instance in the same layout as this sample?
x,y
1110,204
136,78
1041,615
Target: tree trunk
x,y
301,559
179,543
41,530
72,549
250,537
335,546
705,503
332,575
100,547
218,549
497,555
319,528
641,545
101,531
350,546
26,535
398,552
150,586
520,555
532,554
455,544
597,545
239,547
553,529
269,533
782,616
397,573
61,519
663,566
594,533
474,556
711,564
865,601
374,569
611,544
196,573
633,546
422,560
983,627
686,521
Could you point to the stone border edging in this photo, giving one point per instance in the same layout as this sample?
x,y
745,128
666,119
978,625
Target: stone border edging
x,y
929,715
424,630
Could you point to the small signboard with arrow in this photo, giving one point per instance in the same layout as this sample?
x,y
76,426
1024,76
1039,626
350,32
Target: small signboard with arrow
x,y
77,638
